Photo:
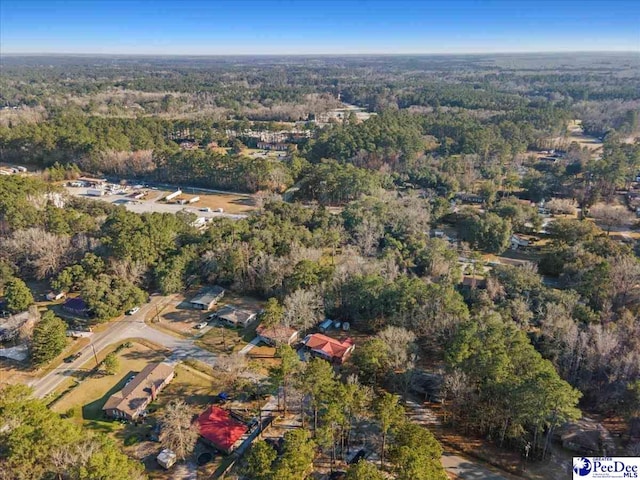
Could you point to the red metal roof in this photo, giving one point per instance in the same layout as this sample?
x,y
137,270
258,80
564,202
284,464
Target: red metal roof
x,y
220,428
327,345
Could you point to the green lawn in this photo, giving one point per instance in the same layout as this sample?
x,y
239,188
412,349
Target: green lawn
x,y
84,402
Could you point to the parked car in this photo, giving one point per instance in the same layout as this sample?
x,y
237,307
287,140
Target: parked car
x,y
205,209
129,380
133,310
73,357
201,325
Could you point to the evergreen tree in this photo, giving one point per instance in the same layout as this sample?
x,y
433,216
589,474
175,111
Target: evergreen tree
x,y
49,338
17,295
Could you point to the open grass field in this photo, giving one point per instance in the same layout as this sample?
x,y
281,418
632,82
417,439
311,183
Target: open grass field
x,y
226,340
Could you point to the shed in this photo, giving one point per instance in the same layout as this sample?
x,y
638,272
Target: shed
x,y
326,324
166,458
53,296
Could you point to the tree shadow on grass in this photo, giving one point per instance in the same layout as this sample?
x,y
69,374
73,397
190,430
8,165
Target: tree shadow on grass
x,y
92,412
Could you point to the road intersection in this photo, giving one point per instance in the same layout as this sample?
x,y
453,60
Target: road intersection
x,y
130,326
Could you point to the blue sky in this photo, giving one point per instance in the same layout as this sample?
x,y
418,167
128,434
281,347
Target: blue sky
x,y
317,27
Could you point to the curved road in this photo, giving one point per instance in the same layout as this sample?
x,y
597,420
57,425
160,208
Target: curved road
x,y
130,326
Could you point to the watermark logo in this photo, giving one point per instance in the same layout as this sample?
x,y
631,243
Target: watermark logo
x,y
582,466
588,468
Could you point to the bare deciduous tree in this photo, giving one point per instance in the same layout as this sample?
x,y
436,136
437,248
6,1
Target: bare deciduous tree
x,y
610,215
36,252
625,281
400,345
179,433
303,308
561,205
368,235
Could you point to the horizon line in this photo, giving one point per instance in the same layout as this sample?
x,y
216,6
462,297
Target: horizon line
x,y
309,54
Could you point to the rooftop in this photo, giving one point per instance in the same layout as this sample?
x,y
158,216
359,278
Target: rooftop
x,y
220,428
327,345
235,315
208,295
136,392
278,333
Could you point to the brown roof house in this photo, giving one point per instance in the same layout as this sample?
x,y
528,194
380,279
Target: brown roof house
x,y
276,335
131,401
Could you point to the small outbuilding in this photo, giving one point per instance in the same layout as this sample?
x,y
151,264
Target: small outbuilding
x,y
207,298
325,325
53,296
166,458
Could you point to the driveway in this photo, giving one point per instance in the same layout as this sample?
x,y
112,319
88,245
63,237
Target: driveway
x,y
465,469
130,326
462,467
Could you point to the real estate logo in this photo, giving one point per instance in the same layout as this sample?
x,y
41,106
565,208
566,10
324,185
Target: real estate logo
x,y
605,467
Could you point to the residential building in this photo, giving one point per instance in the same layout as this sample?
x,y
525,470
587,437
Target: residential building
x,y
518,242
330,349
235,317
10,326
207,298
276,335
220,429
134,398
76,306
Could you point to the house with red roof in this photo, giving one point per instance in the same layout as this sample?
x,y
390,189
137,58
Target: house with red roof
x,y
330,349
218,428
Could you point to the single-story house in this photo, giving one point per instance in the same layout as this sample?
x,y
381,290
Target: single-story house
x,y
277,335
76,306
53,296
518,242
207,298
10,326
130,402
470,281
330,349
220,429
235,317
469,197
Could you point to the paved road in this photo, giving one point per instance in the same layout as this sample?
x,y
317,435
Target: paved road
x,y
132,326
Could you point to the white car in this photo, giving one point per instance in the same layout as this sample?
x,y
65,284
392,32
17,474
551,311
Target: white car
x,y
201,325
133,310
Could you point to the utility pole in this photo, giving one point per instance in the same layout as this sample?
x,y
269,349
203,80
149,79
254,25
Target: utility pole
x,y
95,356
